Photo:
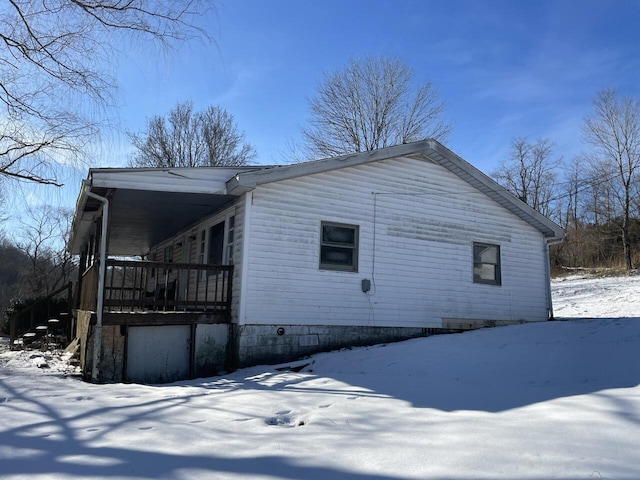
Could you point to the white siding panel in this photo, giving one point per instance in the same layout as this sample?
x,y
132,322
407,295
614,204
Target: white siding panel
x,y
417,224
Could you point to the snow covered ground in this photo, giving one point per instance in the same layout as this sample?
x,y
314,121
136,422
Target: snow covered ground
x,y
553,400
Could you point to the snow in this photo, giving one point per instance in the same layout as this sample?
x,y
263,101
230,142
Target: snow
x,y
550,400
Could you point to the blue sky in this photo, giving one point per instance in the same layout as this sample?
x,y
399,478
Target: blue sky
x,y
505,68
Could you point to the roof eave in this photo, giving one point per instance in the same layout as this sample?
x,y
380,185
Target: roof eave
x,y
456,164
244,182
429,150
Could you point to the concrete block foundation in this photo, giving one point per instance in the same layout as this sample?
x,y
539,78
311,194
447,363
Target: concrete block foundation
x,y
272,344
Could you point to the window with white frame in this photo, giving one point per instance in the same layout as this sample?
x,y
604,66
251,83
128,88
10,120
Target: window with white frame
x,y
486,264
231,227
167,254
220,238
201,246
338,247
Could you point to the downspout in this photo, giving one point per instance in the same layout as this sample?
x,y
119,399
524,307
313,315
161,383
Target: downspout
x,y
547,264
97,337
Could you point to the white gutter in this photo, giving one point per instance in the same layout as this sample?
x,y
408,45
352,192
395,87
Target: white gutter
x,y
547,263
97,336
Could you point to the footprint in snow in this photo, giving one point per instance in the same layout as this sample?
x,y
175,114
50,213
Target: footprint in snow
x,y
197,421
145,428
284,419
324,406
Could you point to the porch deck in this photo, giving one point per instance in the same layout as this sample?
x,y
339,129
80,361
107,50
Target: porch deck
x,y
138,291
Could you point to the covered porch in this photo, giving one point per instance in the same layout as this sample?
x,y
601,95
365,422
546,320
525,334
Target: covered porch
x,y
153,302
121,215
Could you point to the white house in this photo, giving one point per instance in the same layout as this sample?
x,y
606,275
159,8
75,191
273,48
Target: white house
x,y
191,271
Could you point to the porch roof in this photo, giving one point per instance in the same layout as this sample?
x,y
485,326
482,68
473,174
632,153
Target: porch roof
x,y
148,205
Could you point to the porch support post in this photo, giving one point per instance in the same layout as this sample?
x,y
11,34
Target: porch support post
x,y
97,337
244,264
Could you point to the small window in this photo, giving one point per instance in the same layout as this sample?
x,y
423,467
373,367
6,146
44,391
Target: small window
x,y
216,244
339,247
486,264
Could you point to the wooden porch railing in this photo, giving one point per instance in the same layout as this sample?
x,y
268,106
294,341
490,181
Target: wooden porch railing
x,y
137,286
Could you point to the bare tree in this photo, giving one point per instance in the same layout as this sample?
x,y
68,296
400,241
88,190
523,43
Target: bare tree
x,y
613,130
530,173
191,139
51,54
42,239
372,104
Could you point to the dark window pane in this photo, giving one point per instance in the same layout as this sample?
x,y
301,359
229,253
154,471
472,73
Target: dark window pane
x,y
339,247
335,234
216,243
336,256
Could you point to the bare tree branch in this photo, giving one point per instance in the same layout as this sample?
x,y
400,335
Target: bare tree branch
x,y
191,139
371,104
613,130
52,71
530,173
41,238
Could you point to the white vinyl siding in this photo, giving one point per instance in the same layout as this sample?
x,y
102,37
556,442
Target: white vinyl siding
x,y
417,223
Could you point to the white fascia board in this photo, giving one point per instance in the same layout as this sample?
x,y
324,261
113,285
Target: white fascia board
x,y
243,182
428,150
445,157
206,180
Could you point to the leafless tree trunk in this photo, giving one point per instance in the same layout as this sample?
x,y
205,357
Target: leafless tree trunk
x,y
42,239
53,57
191,139
530,173
372,104
613,130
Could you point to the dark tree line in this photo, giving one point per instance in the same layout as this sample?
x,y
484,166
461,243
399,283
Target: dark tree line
x,y
35,262
595,197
